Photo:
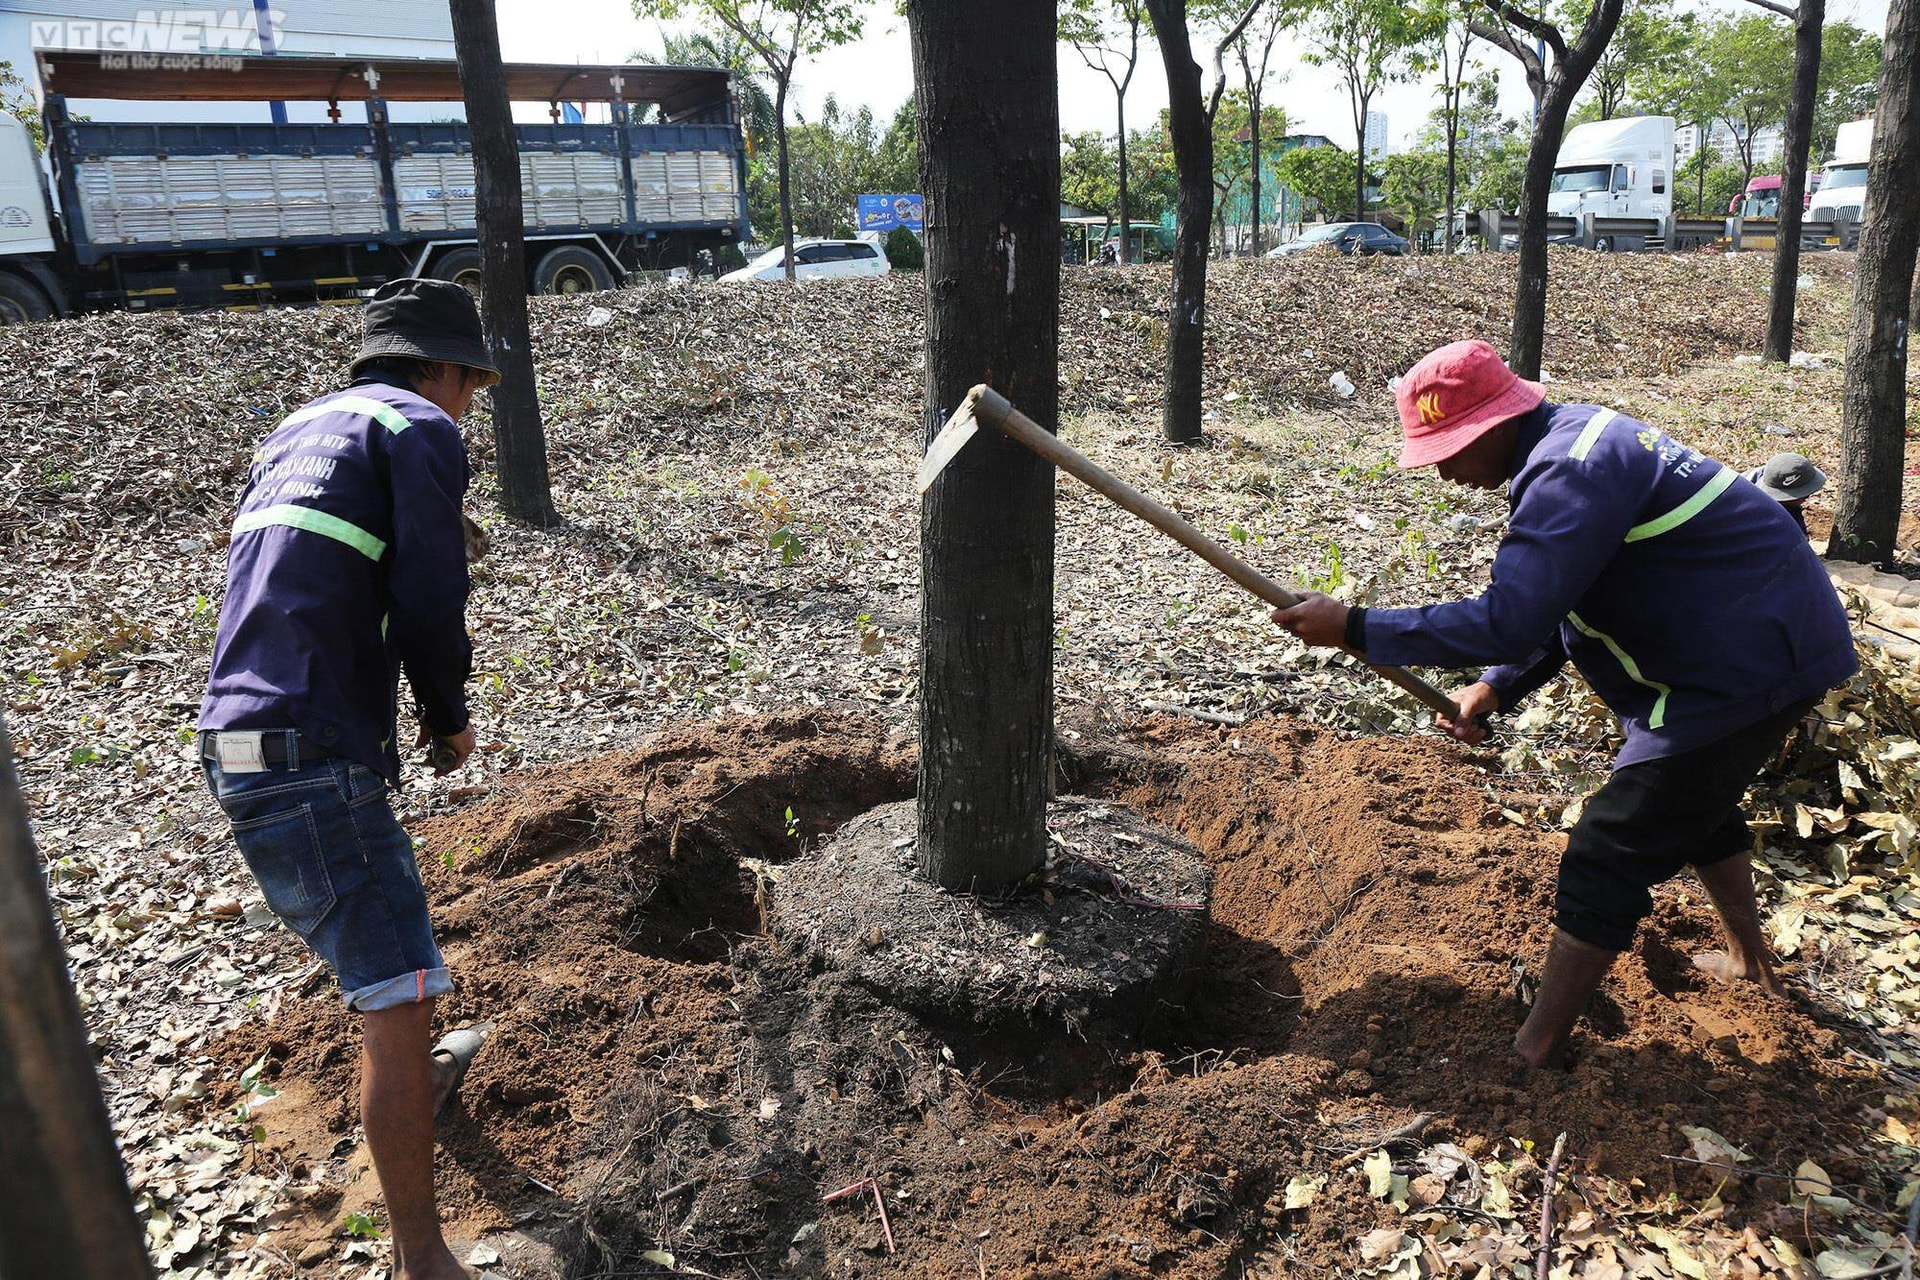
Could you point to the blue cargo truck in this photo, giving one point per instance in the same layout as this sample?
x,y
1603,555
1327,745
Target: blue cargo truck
x,y
231,215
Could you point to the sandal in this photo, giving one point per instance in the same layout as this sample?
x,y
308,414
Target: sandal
x,y
458,1047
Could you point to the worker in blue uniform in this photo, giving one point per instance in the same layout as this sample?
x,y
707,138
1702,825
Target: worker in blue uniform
x,y
1687,598
348,568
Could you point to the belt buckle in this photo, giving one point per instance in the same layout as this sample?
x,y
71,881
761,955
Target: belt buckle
x,y
239,751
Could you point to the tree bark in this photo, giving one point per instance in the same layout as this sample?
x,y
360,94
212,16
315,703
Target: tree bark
x,y
1126,226
780,150
1874,405
1253,99
1360,156
1192,136
1808,24
64,1206
1562,85
987,91
520,441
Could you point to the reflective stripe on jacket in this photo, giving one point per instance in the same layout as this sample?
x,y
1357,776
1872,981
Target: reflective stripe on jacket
x,y
347,565
1691,603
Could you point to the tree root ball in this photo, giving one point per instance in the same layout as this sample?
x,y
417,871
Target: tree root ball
x,y
1107,933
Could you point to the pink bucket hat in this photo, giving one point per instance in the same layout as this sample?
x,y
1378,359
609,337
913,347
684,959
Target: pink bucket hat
x,y
1454,396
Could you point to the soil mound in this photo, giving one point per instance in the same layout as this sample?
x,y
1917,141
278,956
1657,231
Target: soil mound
x,y
665,1077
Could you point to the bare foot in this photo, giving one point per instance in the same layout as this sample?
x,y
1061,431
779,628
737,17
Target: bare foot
x,y
1725,968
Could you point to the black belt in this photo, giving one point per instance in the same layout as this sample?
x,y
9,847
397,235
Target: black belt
x,y
273,745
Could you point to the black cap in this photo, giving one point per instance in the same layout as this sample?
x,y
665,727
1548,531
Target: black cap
x,y
425,320
1788,477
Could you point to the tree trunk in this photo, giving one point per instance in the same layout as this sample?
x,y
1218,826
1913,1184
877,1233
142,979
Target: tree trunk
x,y
1453,167
1254,182
64,1207
988,101
1193,164
519,439
1126,215
1360,158
780,148
1530,294
1808,24
1874,404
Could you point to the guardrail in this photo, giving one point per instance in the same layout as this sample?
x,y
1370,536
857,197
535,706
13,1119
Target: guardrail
x,y
1591,231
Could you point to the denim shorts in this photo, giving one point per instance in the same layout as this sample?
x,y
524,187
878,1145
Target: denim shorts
x,y
337,868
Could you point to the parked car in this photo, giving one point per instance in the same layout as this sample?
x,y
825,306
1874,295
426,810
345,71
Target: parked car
x,y
1347,237
816,260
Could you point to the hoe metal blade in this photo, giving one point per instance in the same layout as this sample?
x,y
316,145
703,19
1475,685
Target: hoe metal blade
x,y
952,439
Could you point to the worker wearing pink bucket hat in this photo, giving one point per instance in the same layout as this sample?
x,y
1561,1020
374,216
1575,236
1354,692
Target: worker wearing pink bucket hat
x,y
1690,603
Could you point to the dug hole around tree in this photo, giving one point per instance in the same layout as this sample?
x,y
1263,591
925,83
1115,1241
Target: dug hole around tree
x,y
1108,931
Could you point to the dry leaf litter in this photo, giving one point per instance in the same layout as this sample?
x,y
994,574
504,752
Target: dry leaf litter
x,y
741,537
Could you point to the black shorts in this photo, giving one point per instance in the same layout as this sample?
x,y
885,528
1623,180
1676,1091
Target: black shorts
x,y
1651,819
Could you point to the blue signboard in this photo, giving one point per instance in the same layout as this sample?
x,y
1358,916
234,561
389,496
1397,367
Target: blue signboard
x,y
884,213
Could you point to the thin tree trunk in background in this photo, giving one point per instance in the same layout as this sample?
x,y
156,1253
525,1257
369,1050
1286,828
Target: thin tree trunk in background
x,y
786,200
1808,24
987,91
64,1206
1253,97
1192,136
1530,294
1126,225
520,441
1873,420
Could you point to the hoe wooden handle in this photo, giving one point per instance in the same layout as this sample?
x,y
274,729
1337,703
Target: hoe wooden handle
x,y
993,409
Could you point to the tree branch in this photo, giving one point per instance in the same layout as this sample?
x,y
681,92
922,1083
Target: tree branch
x,y
1790,12
1502,38
1538,28
1220,58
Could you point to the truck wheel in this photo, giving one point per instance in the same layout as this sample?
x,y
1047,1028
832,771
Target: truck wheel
x,y
462,266
571,269
1603,245
21,301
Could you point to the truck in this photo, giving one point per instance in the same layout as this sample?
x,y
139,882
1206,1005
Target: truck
x,y
1843,182
1618,168
173,215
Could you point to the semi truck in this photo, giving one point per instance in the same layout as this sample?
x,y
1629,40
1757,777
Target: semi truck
x,y
1619,168
1843,182
239,215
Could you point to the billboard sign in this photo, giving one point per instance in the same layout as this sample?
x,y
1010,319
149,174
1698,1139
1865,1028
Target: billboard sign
x,y
884,213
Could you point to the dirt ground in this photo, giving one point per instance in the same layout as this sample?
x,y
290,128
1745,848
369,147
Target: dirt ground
x,y
664,1078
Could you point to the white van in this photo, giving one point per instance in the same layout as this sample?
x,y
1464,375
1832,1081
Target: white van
x,y
1615,169
816,260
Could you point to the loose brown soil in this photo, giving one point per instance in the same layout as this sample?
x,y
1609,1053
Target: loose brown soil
x,y
681,1083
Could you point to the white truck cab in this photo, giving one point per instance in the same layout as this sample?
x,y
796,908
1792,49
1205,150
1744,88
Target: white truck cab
x,y
1842,196
1615,169
26,232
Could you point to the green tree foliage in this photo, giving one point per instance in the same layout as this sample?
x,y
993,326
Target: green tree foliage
x,y
1492,147
1649,48
1416,190
1370,44
905,251
779,33
1233,155
1752,57
897,167
16,99
1106,35
1089,165
1849,82
1322,177
1089,169
1707,183
831,160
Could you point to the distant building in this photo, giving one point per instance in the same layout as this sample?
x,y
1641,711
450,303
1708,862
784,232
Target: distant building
x,y
406,29
1724,141
1376,133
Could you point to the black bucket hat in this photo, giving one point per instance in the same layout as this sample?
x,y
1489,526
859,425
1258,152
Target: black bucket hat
x,y
425,320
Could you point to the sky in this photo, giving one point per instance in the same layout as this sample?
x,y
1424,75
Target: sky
x,y
878,70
